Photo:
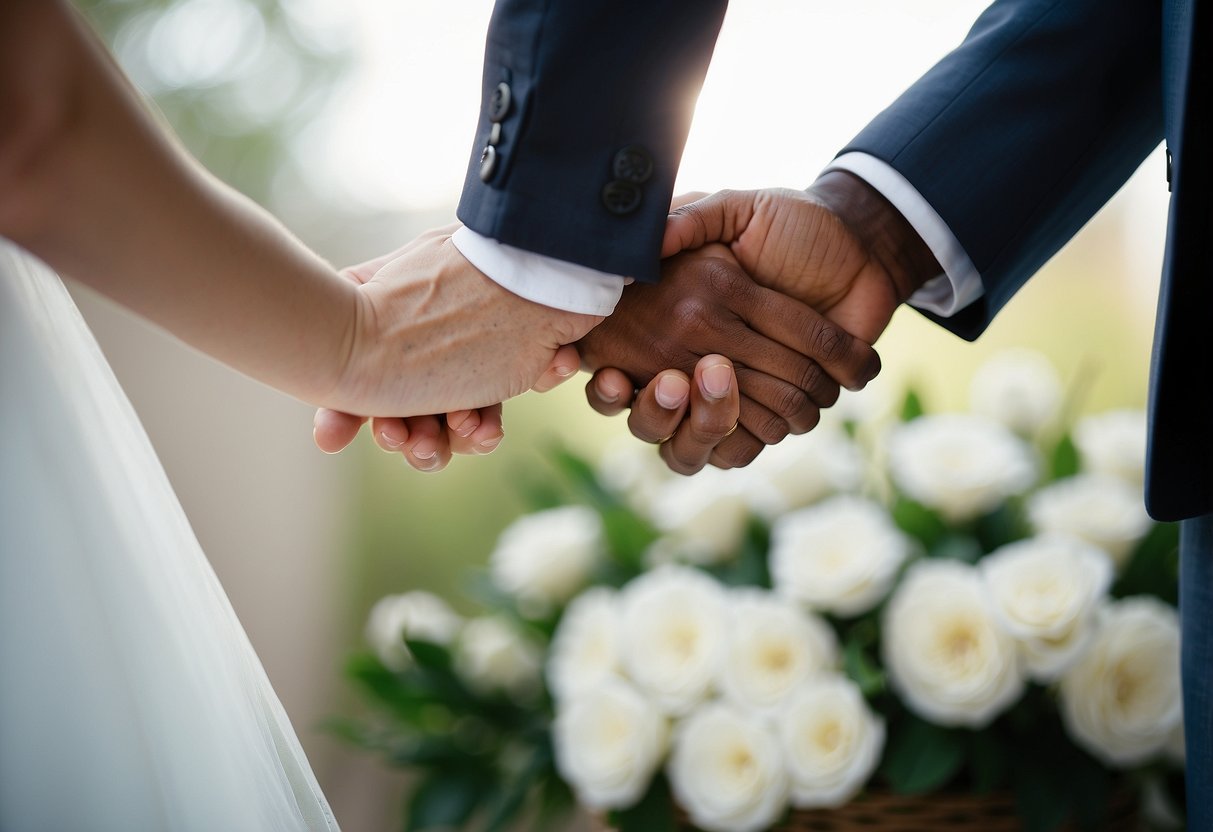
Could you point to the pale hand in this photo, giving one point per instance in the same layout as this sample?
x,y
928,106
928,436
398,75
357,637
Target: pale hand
x,y
435,335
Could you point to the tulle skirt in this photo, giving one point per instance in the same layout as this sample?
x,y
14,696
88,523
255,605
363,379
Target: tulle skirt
x,y
130,696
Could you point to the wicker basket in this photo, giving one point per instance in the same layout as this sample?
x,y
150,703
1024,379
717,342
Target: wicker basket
x,y
879,811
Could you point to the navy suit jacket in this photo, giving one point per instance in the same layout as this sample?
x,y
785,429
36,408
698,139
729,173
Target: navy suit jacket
x,y
1016,139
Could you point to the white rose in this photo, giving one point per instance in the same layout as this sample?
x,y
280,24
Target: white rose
x,y
771,647
801,470
493,656
704,517
1018,388
585,650
1122,700
1045,592
726,770
543,559
962,466
1114,443
633,470
673,635
1102,511
831,741
415,615
945,653
840,556
609,741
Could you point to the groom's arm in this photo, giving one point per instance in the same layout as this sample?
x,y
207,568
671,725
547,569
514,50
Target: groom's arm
x,y
1011,143
586,108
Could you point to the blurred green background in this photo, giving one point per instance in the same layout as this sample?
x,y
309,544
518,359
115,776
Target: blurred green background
x,y
353,122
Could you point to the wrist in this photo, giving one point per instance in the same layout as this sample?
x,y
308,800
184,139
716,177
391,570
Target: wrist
x,y
891,242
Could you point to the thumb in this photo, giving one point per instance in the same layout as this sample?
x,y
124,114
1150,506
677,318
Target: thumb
x,y
562,367
719,218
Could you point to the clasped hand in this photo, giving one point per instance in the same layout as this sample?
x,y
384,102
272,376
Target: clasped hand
x,y
774,280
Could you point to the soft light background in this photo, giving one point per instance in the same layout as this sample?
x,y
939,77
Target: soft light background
x,y
352,121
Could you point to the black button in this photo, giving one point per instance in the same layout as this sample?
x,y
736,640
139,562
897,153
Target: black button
x,y
499,104
495,134
633,164
488,163
621,197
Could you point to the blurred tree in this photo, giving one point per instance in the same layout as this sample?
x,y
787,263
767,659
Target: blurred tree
x,y
236,79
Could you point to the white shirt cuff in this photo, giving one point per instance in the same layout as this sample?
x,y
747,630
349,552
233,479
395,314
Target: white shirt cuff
x,y
960,284
539,278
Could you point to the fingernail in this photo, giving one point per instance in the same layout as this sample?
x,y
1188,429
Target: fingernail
x,y
389,441
425,450
671,392
467,427
565,372
717,380
428,464
489,445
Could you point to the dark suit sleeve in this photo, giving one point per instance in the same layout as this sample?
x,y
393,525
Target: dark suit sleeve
x,y
599,91
1020,135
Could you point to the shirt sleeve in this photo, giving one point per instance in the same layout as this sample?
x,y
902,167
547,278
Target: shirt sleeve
x,y
960,284
539,278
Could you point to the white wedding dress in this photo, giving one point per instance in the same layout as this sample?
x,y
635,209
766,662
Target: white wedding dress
x,y
130,697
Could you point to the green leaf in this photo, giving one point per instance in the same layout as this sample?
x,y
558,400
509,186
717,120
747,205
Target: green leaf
x,y
429,751
862,670
750,567
1063,459
1153,567
628,536
956,547
400,693
918,521
583,479
922,757
1005,524
446,798
987,760
911,407
654,812
429,655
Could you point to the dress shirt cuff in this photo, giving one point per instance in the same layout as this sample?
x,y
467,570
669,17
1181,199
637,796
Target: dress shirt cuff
x,y
539,278
960,284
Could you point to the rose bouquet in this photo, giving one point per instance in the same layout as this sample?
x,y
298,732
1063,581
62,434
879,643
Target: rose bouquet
x,y
915,604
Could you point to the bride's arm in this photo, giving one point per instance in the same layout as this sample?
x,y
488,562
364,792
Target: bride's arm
x,y
91,183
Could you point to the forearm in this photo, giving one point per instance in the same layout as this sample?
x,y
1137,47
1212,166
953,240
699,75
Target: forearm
x,y
104,195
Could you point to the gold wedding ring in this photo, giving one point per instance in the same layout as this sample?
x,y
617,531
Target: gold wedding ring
x,y
732,430
667,439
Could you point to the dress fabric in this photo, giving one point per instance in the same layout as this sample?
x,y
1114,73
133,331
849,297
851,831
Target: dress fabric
x,y
130,696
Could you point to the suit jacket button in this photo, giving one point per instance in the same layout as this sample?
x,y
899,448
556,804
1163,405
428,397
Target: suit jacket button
x,y
499,104
495,134
488,163
633,164
621,197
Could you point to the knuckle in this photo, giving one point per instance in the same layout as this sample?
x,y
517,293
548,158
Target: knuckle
x,y
769,428
829,342
791,402
722,278
814,381
689,317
